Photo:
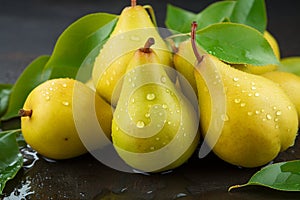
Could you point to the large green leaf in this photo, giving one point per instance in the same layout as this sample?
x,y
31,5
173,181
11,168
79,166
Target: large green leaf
x,y
290,64
284,176
251,13
76,42
29,79
11,159
5,90
236,43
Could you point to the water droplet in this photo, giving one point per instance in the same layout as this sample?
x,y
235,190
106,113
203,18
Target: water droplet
x,y
52,83
132,100
169,122
237,85
278,112
237,100
160,114
250,94
288,130
150,96
135,38
184,135
262,110
163,79
140,124
289,107
224,117
256,94
250,113
276,119
235,79
129,79
164,106
243,104
268,116
253,88
257,112
64,85
51,89
133,85
152,148
47,98
274,107
252,83
157,138
178,111
65,103
147,115
117,128
276,126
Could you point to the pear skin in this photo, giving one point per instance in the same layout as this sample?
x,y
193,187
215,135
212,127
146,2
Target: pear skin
x,y
259,121
290,83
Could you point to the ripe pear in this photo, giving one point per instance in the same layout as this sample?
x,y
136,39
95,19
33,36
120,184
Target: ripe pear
x,y
259,122
47,121
290,83
133,28
262,69
154,128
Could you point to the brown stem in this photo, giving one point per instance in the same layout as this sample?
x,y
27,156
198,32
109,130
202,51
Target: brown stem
x,y
148,44
133,3
193,40
25,113
172,45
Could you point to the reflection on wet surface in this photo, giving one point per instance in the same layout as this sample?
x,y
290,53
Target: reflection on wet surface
x,y
86,178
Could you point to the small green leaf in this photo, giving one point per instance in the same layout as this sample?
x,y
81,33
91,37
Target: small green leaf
x,y
29,79
290,64
251,13
11,159
180,20
236,43
284,176
76,42
215,13
5,90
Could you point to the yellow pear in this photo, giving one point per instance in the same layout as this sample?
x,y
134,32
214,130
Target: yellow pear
x,y
262,69
154,126
290,83
133,28
246,119
47,121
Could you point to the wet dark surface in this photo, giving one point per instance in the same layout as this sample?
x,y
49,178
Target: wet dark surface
x,y
30,28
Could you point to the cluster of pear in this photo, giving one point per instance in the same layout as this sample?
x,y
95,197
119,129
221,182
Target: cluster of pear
x,y
143,106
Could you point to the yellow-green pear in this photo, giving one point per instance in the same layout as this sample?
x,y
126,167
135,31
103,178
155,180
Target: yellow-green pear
x,y
47,117
133,28
266,68
290,83
154,126
259,120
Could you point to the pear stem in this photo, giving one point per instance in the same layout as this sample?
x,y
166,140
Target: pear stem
x,y
193,40
133,3
148,44
25,113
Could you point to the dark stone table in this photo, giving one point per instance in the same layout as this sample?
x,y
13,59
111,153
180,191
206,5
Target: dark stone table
x,y
30,28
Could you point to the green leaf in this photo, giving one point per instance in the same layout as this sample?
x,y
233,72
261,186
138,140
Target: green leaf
x,y
28,80
215,13
76,42
11,159
236,43
284,176
5,90
178,19
251,13
290,64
